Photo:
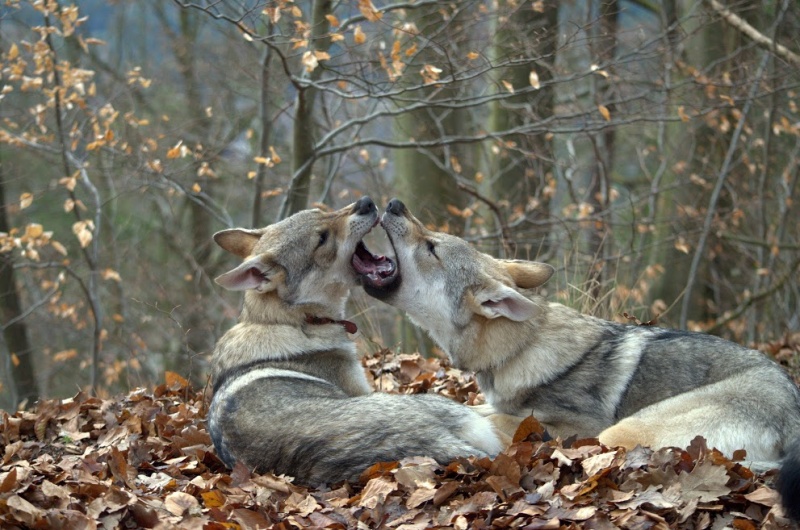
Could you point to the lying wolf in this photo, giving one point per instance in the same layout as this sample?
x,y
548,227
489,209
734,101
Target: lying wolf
x,y
290,395
627,385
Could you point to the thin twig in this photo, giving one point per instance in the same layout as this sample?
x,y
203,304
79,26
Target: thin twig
x,y
750,300
737,22
509,246
712,203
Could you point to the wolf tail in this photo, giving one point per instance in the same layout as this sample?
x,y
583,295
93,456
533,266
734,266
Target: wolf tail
x,y
789,481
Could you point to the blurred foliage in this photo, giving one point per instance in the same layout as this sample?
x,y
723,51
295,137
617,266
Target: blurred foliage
x,y
652,153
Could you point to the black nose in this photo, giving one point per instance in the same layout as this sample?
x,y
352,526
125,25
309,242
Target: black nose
x,y
364,205
396,207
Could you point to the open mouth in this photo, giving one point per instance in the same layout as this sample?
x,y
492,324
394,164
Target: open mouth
x,y
375,271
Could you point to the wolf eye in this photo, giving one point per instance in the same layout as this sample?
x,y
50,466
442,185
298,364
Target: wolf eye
x,y
432,249
323,237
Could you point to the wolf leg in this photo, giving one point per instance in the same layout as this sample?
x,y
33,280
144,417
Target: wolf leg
x,y
730,415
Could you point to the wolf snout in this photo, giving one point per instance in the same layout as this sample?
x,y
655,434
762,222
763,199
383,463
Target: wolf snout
x,y
396,207
364,206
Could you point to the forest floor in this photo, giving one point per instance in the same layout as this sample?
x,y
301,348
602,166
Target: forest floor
x,y
145,460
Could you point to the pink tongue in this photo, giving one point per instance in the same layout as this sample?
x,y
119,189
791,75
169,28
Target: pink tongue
x,y
359,265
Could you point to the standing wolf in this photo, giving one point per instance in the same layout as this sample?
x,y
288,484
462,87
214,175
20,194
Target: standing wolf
x,y
627,385
290,395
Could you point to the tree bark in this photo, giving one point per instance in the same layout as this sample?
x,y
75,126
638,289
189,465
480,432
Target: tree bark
x,y
304,133
521,164
23,377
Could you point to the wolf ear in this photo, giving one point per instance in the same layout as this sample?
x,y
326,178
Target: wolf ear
x,y
527,274
498,300
254,273
238,241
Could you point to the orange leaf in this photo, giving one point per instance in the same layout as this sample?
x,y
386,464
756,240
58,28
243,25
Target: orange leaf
x,y
605,112
213,498
369,11
358,35
174,380
528,426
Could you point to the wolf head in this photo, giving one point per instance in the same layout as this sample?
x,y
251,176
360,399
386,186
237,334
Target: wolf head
x,y
449,288
310,259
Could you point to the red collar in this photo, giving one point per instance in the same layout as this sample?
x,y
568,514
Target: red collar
x,y
348,326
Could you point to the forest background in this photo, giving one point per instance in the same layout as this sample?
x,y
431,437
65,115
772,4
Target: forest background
x,y
647,149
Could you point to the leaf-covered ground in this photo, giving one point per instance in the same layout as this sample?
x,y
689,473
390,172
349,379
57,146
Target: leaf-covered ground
x,y
145,460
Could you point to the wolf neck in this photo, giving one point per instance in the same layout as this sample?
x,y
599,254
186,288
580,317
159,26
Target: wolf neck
x,y
530,352
269,309
271,330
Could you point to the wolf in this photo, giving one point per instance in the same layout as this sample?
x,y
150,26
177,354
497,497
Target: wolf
x,y
580,375
289,393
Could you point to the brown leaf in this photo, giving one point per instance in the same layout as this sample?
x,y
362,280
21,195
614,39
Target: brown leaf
x,y
376,491
594,464
301,503
175,381
651,496
503,487
445,492
24,511
505,466
358,35
417,472
179,503
706,482
379,469
481,501
764,496
420,496
9,481
251,520
369,11
529,425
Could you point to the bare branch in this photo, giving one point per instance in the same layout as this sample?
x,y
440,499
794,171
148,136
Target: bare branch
x,y
509,245
756,36
712,204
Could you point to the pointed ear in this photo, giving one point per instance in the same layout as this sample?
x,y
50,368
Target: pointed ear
x,y
527,274
238,241
255,273
498,300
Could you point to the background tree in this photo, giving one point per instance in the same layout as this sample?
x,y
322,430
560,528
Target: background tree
x,y
648,150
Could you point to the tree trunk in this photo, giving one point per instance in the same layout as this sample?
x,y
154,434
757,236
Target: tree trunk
x,y
598,235
521,164
304,133
22,379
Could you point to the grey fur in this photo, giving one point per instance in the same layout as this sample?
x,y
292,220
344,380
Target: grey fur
x,y
627,385
290,394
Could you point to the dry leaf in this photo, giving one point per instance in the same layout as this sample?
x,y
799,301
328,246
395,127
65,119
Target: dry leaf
x,y
369,11
358,35
605,112
533,79
707,482
310,61
83,231
682,245
179,503
25,200
34,230
375,492
174,380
